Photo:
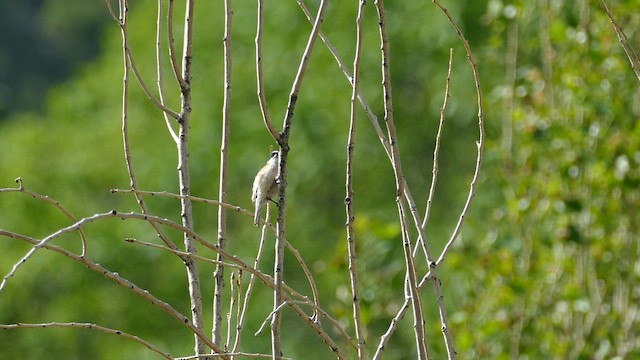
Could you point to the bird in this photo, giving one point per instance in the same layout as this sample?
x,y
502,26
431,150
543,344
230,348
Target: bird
x,y
264,185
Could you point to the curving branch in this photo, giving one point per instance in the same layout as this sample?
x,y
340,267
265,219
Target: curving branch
x,y
113,276
159,76
259,75
90,326
56,204
172,48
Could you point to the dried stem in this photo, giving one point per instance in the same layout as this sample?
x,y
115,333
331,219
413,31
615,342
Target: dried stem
x,y
222,192
283,141
163,101
90,326
436,150
349,199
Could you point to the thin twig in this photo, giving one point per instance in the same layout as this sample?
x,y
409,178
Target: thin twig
x,y
222,190
259,74
349,199
411,283
472,186
90,326
270,317
436,150
115,17
312,283
235,353
393,325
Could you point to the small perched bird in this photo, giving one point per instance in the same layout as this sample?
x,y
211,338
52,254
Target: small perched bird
x,y
264,185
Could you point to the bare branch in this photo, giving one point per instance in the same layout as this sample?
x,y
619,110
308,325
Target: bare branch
x,y
349,199
283,141
159,104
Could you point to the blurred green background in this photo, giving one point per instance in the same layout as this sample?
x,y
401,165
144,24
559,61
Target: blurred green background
x,y
547,265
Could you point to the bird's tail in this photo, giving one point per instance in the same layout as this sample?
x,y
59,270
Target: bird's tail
x,y
256,215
